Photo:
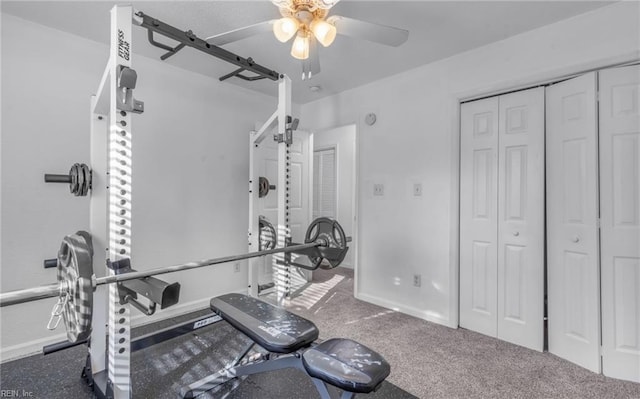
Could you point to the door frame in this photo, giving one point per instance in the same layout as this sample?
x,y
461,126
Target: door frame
x,y
354,244
498,88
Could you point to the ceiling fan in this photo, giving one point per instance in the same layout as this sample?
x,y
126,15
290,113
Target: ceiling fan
x,y
309,22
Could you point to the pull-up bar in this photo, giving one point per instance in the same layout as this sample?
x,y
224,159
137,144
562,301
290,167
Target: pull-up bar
x,y
188,38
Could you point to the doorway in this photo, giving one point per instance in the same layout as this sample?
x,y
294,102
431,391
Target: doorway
x,y
334,181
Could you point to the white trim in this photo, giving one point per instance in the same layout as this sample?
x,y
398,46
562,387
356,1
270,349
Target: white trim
x,y
33,347
356,207
410,310
310,151
548,77
454,220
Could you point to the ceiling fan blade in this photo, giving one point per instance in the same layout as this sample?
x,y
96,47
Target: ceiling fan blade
x,y
382,34
311,66
241,33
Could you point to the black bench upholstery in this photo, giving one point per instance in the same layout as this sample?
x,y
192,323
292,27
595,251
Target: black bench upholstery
x,y
273,328
346,364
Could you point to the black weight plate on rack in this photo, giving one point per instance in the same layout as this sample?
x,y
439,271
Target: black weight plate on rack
x,y
331,233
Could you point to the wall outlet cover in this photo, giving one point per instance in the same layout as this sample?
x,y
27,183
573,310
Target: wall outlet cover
x,y
417,189
378,189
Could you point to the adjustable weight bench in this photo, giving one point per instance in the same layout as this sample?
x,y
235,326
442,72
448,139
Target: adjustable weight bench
x,y
289,341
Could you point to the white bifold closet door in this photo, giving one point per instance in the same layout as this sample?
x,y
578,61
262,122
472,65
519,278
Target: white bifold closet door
x,y
572,222
479,216
594,272
502,217
620,221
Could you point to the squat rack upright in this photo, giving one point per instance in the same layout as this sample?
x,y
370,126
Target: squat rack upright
x,y
110,204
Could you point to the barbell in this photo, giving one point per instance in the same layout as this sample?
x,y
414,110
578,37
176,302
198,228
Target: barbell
x,y
325,239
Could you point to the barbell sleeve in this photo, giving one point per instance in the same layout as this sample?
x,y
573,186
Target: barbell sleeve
x,y
29,294
51,178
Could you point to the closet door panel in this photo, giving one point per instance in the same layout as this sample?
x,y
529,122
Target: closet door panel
x,y
619,114
572,217
521,218
478,215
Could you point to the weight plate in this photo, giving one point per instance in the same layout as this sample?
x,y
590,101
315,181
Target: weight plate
x,y
75,272
80,179
332,234
267,236
263,187
86,172
73,173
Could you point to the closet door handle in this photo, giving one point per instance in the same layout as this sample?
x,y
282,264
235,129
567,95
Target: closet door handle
x,y
576,239
516,233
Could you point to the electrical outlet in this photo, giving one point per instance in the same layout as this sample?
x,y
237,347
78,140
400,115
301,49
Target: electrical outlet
x,y
417,189
417,280
378,189
236,267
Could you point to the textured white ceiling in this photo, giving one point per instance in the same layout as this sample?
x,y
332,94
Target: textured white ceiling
x,y
438,29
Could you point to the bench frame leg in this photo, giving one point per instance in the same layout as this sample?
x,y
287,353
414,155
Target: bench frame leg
x,y
208,383
321,386
275,362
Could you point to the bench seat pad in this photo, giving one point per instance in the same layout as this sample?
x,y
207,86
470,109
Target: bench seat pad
x,y
273,328
347,365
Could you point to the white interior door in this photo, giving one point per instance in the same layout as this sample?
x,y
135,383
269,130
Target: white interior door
x,y
521,218
325,190
573,275
620,221
478,215
266,160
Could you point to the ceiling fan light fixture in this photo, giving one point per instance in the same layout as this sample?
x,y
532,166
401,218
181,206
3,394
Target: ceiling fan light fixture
x,y
326,4
285,28
300,48
323,31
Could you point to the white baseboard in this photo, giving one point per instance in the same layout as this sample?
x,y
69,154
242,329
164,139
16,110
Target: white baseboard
x,y
34,347
411,311
25,349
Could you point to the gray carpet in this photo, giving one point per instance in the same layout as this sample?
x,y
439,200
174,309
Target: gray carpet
x,y
427,360
433,361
